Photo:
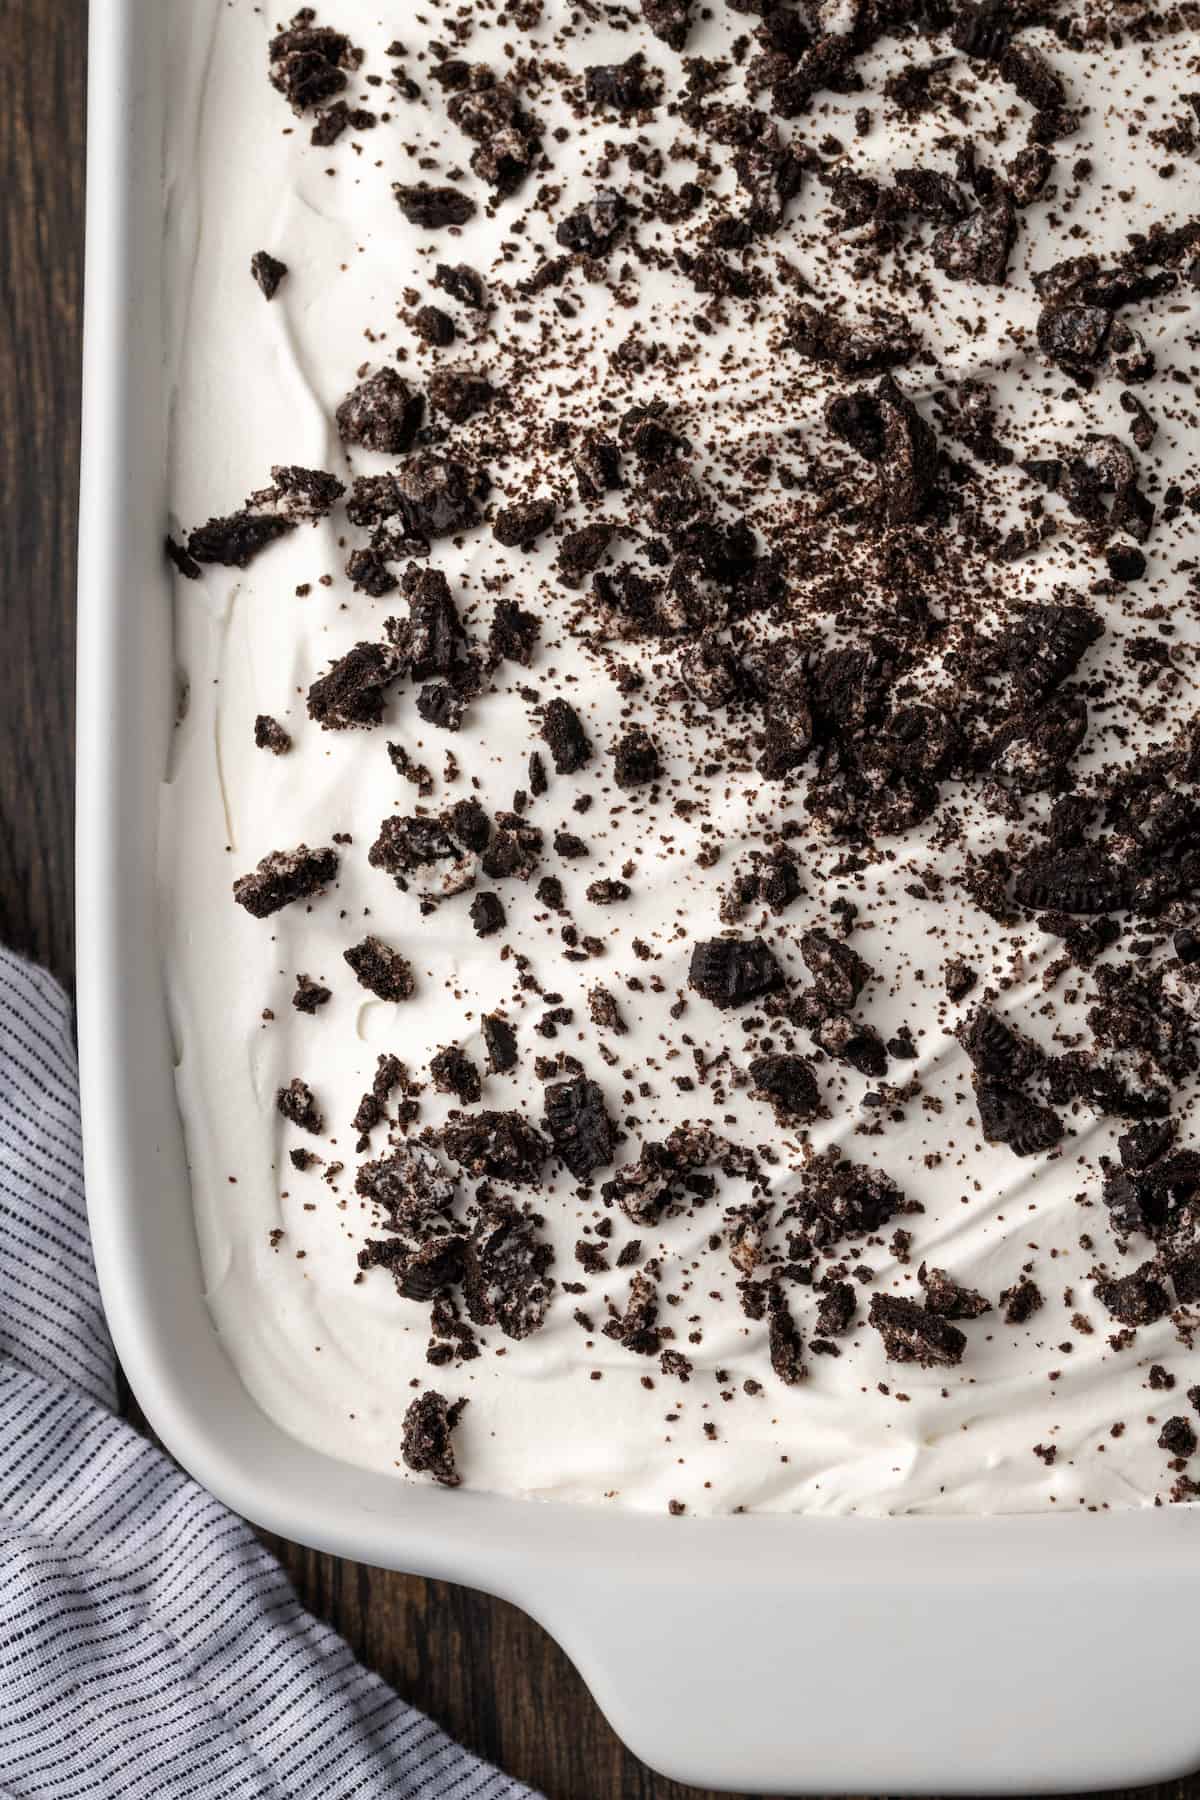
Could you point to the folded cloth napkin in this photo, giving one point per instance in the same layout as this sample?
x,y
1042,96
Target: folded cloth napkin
x,y
148,1645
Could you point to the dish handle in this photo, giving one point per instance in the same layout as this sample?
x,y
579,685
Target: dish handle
x,y
875,1675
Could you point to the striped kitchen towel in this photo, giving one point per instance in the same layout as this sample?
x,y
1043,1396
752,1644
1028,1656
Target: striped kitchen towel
x,y
148,1645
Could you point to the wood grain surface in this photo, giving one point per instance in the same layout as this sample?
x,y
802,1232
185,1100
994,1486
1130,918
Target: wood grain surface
x,y
482,1669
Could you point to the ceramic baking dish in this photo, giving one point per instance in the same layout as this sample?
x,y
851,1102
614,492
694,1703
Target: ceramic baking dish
x,y
776,1655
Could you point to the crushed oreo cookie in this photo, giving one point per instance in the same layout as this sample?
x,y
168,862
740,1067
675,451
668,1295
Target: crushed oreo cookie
x,y
382,414
427,1446
268,271
579,1126
1136,1299
433,208
236,540
297,1104
351,693
949,1298
789,1083
565,737
310,64
381,970
283,877
500,1144
912,1334
731,972
270,735
310,995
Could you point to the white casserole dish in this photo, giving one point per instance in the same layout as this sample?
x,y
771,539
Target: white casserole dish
x,y
778,1655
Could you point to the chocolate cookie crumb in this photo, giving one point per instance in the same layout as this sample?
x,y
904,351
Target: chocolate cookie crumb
x,y
303,495
1007,1116
427,1447
433,208
911,1334
236,540
731,972
487,914
434,327
597,464
636,1328
268,271
960,978
458,394
579,1125
369,573
564,734
1136,1299
500,1144
582,551
462,283
380,969
333,120
310,996
270,735
520,525
284,876
381,414
514,851
506,1281
839,1303
592,229
789,1083
948,1298
514,633
628,86
186,565
604,1010
608,892
668,20
500,1041
1020,1301
1125,562
350,695
635,759
309,64
297,1104
453,1072
1177,1437
410,1184
838,971
784,1343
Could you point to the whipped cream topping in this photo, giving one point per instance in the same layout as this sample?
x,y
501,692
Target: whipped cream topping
x,y
568,1412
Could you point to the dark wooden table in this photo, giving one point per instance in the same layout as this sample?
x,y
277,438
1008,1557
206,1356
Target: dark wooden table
x,y
482,1669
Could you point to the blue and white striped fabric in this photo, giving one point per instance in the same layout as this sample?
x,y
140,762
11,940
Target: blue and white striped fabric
x,y
148,1645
